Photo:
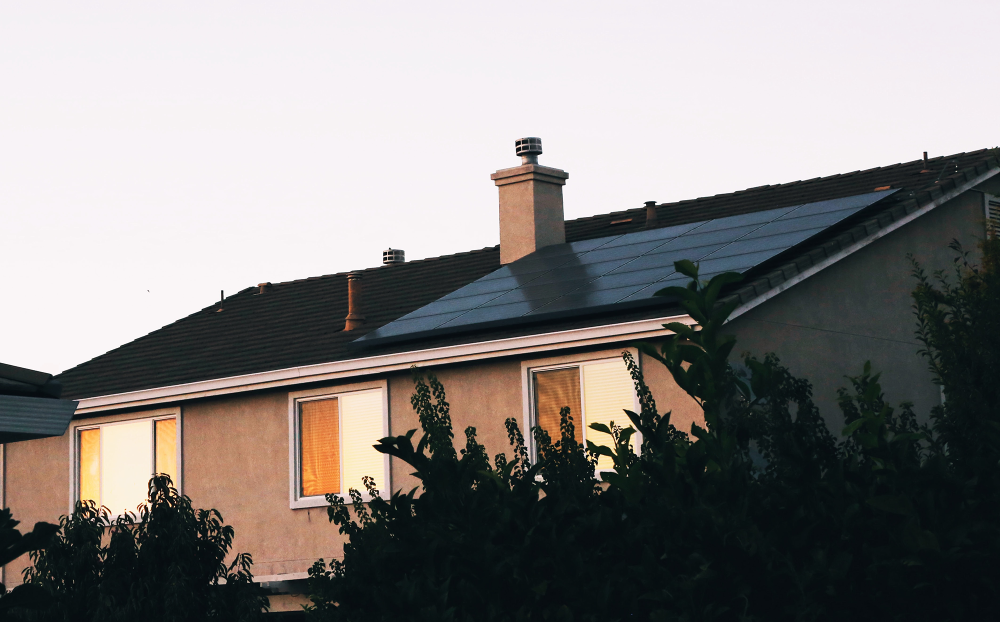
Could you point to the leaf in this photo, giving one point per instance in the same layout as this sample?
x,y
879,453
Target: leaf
x,y
26,595
852,427
687,268
894,504
600,427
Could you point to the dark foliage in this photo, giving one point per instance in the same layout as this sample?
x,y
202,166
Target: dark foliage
x,y
13,545
166,564
761,515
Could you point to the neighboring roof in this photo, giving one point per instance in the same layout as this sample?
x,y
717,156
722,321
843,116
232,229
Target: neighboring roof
x,y
300,322
29,405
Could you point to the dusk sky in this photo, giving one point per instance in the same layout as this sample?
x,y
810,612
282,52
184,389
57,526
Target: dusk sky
x,y
153,154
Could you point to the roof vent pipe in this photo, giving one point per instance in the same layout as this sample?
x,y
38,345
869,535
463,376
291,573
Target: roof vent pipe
x,y
355,319
529,149
650,214
392,256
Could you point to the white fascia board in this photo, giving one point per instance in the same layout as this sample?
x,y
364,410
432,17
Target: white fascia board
x,y
337,370
850,250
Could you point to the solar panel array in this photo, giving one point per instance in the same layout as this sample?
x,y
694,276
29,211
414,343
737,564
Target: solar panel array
x,y
592,274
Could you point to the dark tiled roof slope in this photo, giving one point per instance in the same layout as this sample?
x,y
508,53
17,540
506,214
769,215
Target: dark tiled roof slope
x,y
290,324
300,322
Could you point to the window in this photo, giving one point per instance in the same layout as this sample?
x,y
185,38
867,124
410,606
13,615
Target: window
x,y
595,391
115,461
333,439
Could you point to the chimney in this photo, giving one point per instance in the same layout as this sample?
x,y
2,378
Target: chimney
x,y
355,319
650,214
531,203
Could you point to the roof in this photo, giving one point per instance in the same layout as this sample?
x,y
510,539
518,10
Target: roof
x,y
300,322
622,271
29,405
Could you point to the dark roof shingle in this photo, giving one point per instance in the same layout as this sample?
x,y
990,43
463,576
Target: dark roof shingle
x,y
300,322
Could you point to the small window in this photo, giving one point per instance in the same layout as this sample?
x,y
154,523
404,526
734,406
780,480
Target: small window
x,y
334,439
116,460
595,391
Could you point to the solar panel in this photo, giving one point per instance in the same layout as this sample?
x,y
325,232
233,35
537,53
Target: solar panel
x,y
595,275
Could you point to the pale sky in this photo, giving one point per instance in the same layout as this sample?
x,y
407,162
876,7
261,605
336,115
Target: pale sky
x,y
152,154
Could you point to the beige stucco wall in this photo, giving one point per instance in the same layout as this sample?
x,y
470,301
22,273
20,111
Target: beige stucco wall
x,y
860,308
235,455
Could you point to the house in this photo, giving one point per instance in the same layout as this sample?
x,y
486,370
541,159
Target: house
x,y
260,404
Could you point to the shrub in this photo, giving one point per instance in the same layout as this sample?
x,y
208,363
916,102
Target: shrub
x,y
760,515
166,564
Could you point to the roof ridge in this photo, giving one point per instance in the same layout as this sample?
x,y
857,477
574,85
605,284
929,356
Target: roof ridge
x,y
382,267
822,178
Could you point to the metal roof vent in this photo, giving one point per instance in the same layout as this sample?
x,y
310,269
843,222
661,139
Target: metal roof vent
x,y
393,256
529,149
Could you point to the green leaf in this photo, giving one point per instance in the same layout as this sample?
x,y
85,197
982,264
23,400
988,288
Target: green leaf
x,y
687,268
894,504
852,427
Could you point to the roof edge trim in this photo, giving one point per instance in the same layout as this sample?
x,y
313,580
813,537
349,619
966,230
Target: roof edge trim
x,y
595,335
757,300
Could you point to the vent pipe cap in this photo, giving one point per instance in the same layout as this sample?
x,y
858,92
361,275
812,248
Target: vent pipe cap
x,y
393,256
529,149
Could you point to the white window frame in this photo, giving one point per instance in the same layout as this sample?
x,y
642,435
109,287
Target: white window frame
x,y
571,360
97,423
297,501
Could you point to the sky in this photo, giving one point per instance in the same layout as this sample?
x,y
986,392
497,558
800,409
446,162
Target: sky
x,y
155,154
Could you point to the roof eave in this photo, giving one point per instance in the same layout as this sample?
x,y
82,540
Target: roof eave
x,y
854,239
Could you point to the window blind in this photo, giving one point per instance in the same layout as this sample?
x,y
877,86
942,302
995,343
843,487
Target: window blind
x,y
607,393
319,435
361,422
126,465
555,389
993,218
166,448
90,465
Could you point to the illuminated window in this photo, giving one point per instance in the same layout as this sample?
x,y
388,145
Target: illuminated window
x,y
595,391
116,460
334,439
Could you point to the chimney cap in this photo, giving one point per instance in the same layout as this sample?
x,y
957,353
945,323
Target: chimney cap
x,y
393,256
531,145
529,148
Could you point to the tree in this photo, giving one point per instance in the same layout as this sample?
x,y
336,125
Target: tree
x,y
760,515
167,563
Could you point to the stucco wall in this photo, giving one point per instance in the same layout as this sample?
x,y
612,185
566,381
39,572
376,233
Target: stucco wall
x,y
36,477
236,457
859,309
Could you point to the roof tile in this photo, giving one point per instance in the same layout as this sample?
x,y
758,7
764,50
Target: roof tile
x,y
301,322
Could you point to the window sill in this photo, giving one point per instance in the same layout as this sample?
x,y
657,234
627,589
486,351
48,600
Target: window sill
x,y
321,502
